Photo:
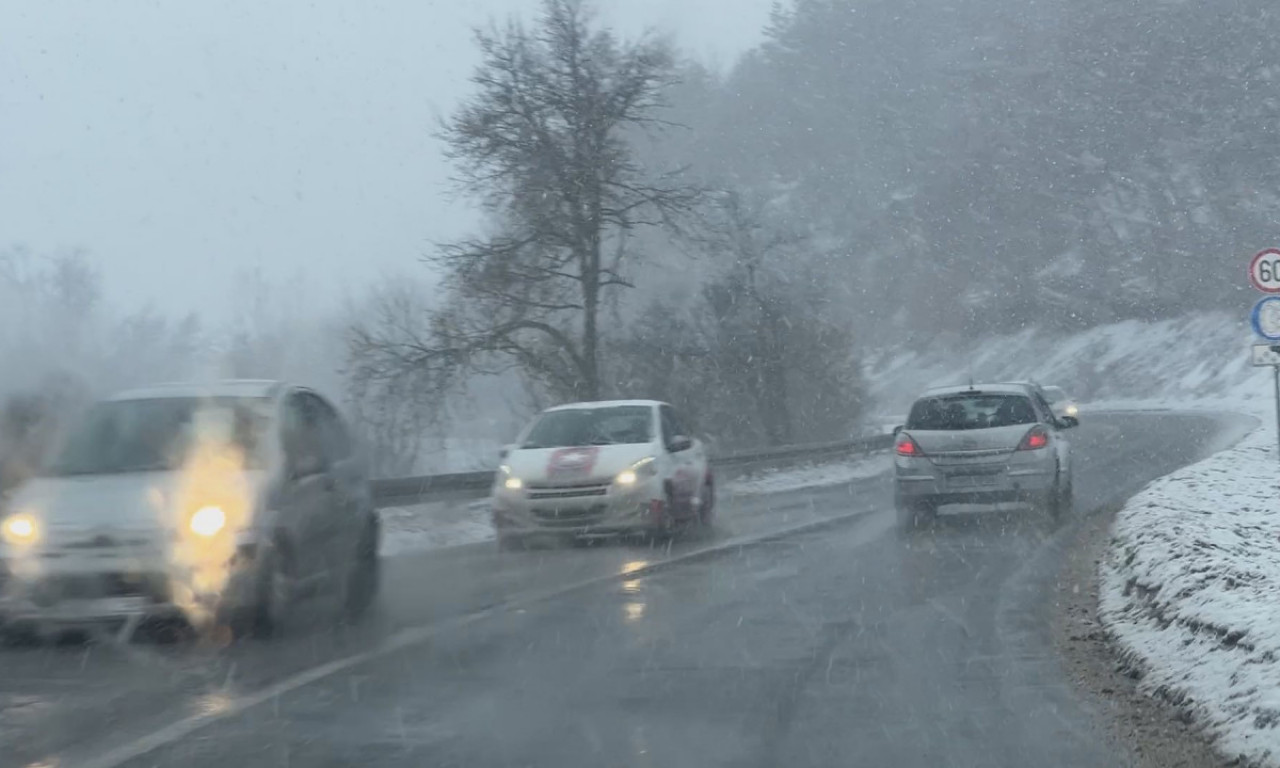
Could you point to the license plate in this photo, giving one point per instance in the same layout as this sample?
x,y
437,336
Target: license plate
x,y
968,481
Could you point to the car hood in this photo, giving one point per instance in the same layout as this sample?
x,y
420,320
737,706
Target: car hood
x,y
128,500
965,440
576,465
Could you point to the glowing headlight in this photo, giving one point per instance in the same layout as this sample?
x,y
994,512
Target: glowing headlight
x,y
1073,410
511,483
632,474
207,521
19,529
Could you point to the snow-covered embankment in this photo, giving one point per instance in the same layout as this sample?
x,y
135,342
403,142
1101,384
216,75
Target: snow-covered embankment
x,y
1191,592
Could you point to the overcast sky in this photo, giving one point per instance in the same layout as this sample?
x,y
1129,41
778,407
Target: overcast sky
x,y
181,143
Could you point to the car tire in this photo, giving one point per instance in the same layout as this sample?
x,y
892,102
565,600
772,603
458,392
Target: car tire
x,y
365,577
1064,499
913,515
665,529
260,617
707,503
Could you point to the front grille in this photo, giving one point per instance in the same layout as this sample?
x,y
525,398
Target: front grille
x,y
99,585
569,518
579,492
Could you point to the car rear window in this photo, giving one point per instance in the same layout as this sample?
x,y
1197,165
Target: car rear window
x,y
970,411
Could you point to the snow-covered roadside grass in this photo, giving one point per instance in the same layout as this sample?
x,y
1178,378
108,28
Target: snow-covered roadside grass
x,y
449,524
1190,589
816,476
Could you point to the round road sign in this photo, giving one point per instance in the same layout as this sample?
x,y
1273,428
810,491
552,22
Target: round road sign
x,y
1264,271
1266,318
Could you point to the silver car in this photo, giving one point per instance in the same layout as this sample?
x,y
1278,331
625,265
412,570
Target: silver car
x,y
991,445
218,505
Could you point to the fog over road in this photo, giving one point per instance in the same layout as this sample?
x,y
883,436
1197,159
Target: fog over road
x,y
845,644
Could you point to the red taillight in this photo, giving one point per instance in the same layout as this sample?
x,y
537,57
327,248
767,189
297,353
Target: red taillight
x,y
1037,438
907,447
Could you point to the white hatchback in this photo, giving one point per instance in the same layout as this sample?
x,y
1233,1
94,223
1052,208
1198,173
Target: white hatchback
x,y
602,468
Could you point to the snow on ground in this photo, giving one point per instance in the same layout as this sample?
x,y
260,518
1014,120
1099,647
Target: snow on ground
x,y
434,525
1191,587
449,524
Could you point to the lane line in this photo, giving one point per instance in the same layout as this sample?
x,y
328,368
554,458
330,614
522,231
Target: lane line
x,y
411,636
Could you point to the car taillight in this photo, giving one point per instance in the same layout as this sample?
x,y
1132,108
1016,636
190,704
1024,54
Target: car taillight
x,y
907,447
1037,438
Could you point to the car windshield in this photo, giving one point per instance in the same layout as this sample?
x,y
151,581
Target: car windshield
x,y
122,436
592,426
970,411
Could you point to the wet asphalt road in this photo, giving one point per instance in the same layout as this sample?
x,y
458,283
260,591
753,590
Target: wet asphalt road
x,y
846,645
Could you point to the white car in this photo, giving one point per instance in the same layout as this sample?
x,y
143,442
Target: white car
x,y
1061,403
218,505
602,468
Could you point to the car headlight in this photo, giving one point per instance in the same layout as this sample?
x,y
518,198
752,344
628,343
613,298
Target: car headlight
x,y
20,529
1073,410
509,481
634,473
208,521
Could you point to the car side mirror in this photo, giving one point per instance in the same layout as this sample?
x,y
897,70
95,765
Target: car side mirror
x,y
505,451
1068,422
680,443
896,430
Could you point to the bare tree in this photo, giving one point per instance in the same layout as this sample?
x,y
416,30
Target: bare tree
x,y
545,146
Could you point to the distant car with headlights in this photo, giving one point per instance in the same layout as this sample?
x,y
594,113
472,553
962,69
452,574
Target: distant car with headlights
x,y
217,505
991,445
602,468
1061,403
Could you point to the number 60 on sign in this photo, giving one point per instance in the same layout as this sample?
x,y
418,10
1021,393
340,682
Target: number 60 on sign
x,y
1264,271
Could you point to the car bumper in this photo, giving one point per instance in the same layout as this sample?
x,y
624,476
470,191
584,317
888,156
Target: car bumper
x,y
78,592
615,511
1005,486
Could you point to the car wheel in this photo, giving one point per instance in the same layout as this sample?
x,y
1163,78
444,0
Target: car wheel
x,y
362,584
913,515
664,530
1064,499
260,617
707,502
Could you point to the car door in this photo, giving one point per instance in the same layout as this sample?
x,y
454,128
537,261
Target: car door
x,y
684,478
306,497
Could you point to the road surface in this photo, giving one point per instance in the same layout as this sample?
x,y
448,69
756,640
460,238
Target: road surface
x,y
845,644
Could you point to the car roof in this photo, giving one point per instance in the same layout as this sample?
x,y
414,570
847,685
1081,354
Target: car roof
x,y
1006,388
603,404
247,388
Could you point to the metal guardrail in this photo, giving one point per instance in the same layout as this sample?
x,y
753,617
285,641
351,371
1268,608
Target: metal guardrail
x,y
394,491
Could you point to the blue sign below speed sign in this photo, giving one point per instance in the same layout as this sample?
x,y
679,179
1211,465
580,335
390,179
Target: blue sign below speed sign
x,y
1266,318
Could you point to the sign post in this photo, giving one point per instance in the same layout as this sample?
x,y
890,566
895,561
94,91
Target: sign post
x,y
1264,274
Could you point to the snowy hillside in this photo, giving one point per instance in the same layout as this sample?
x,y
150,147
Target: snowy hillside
x,y
1198,356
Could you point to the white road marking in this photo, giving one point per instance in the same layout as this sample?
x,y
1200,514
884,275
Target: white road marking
x,y
411,636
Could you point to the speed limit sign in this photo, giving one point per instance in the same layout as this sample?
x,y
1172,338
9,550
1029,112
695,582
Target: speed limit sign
x,y
1264,271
